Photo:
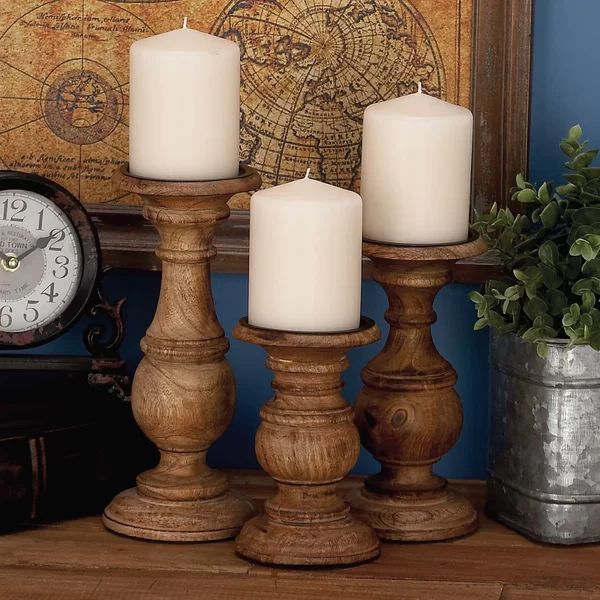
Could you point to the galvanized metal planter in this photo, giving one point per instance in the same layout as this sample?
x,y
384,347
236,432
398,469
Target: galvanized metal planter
x,y
544,458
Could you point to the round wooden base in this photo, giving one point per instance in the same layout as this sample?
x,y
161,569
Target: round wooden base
x,y
135,515
343,542
414,518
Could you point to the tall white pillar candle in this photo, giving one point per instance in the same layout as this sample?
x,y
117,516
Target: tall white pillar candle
x,y
184,107
305,257
416,171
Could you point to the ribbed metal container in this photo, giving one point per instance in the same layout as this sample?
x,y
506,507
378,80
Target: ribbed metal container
x,y
544,457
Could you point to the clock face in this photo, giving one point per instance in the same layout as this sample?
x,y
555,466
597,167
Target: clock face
x,y
41,261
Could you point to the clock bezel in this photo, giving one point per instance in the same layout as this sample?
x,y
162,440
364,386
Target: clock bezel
x,y
90,259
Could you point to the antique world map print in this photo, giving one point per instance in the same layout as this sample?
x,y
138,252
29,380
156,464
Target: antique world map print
x,y
309,68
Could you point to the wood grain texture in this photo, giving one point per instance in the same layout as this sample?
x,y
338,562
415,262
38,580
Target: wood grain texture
x,y
183,392
307,442
80,559
500,98
408,413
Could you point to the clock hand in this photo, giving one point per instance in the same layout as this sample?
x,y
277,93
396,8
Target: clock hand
x,y
40,243
4,257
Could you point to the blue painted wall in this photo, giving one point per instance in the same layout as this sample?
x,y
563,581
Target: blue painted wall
x,y
565,80
566,90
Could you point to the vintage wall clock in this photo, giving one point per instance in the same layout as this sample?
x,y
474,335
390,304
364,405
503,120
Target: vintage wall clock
x,y
49,259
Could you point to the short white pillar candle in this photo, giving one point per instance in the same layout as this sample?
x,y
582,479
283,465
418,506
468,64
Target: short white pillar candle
x,y
416,171
305,258
184,107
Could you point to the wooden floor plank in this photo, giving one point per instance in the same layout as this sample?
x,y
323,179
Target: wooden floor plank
x,y
512,592
28,584
81,557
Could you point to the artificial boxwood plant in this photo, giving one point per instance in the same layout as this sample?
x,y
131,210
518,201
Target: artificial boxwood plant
x,y
550,254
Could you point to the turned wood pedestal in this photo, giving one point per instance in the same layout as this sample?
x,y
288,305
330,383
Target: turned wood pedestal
x,y
408,413
183,391
307,442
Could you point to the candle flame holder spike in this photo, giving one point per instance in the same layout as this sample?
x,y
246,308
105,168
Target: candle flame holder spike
x,y
183,391
307,442
408,413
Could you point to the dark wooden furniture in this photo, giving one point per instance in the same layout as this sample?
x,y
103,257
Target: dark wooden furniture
x,y
307,442
183,393
408,413
80,559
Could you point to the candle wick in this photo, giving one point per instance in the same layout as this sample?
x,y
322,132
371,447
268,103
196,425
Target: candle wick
x,y
185,22
420,87
307,174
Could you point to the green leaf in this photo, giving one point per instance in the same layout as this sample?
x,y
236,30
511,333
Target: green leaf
x,y
574,134
587,216
527,196
551,277
591,172
587,252
594,241
521,275
568,149
588,301
595,339
591,268
583,285
548,253
520,181
544,193
480,324
544,321
565,190
541,349
579,246
571,315
576,179
476,297
514,292
535,307
531,335
549,216
584,159
557,301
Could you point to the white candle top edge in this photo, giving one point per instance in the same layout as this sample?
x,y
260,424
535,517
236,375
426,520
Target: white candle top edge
x,y
307,190
418,105
185,40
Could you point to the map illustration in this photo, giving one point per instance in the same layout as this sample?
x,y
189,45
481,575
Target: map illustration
x,y
309,69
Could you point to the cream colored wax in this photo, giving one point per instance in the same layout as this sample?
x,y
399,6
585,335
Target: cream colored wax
x,y
305,257
184,107
416,171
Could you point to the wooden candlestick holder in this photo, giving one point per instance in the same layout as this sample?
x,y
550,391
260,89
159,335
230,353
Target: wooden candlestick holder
x,y
307,442
408,413
183,391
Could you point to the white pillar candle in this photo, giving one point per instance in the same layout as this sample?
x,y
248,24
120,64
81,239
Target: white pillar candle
x,y
305,257
416,171
184,107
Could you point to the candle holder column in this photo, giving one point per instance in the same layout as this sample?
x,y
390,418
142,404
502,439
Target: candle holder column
x,y
183,391
408,413
307,442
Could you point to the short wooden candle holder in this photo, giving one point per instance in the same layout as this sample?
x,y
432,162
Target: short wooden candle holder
x,y
183,391
307,442
408,413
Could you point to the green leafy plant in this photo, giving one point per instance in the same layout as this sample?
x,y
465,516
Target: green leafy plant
x,y
550,254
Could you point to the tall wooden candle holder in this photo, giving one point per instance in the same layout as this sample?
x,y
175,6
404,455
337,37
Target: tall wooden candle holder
x,y
307,442
183,391
408,413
